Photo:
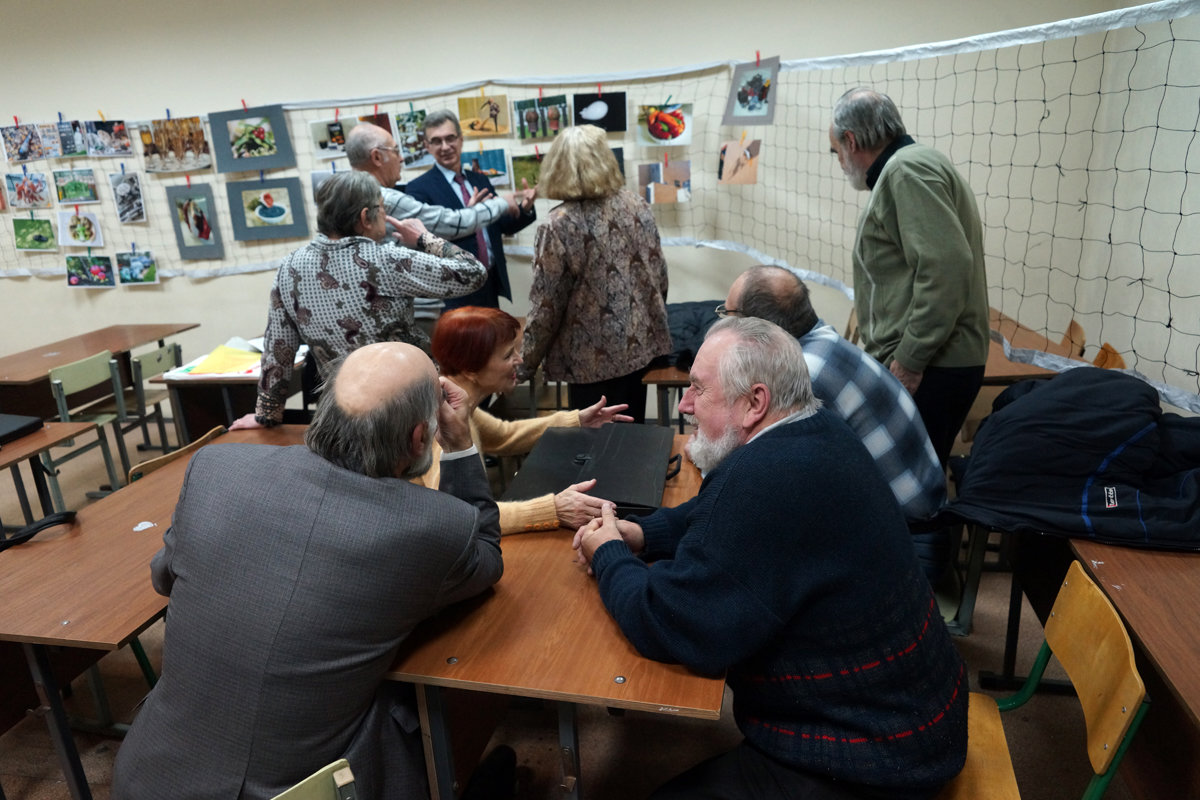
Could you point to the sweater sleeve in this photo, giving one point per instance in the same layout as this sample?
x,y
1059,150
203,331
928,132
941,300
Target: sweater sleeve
x,y
523,516
536,514
703,608
516,437
937,251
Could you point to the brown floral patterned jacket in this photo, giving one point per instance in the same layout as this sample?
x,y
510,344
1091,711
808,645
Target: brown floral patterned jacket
x,y
598,299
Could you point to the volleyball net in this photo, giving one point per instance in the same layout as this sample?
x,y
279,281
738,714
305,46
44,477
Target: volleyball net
x,y
1079,139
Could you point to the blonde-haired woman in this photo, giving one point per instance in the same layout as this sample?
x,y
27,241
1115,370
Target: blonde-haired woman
x,y
598,312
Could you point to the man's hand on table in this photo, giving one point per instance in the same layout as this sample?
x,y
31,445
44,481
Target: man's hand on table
x,y
603,529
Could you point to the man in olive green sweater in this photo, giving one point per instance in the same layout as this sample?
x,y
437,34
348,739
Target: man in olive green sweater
x,y
919,282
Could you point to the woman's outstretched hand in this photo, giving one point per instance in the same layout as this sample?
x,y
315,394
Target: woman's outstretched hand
x,y
598,414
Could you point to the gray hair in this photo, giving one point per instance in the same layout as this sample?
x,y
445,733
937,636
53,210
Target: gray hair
x,y
341,197
871,115
376,442
764,353
360,141
777,295
439,118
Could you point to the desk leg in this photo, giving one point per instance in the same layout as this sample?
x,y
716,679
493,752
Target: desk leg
x,y
228,401
664,405
435,729
181,428
39,483
56,719
568,748
19,485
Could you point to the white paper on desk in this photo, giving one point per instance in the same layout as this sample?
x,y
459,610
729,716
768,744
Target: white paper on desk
x,y
184,372
251,345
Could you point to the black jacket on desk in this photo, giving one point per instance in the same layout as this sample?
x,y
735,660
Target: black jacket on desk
x,y
1088,454
433,188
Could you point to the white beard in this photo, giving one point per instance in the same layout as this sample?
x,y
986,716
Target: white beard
x,y
856,176
707,453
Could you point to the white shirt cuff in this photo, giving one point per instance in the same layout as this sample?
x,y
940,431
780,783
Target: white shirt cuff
x,y
457,454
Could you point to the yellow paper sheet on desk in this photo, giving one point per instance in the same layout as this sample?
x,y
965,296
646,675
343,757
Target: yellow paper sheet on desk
x,y
227,361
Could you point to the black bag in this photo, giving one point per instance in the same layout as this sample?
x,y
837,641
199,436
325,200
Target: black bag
x,y
14,426
629,463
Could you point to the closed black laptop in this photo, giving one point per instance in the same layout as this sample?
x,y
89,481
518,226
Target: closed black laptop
x,y
629,463
14,426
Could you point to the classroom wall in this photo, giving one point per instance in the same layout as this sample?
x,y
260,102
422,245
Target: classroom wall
x,y
137,58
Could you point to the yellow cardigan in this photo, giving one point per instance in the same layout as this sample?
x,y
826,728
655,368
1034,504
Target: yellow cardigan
x,y
501,437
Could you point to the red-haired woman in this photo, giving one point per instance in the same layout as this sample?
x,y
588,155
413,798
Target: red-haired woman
x,y
479,349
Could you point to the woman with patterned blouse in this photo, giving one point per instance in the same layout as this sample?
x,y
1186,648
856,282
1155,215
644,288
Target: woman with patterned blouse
x,y
349,287
598,312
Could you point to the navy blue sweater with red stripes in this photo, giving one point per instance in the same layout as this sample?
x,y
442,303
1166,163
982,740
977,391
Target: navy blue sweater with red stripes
x,y
793,571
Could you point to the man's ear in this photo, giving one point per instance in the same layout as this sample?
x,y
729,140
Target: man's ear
x,y
759,402
851,141
418,444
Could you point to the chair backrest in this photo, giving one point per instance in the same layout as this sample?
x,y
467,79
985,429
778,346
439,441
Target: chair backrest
x,y
146,467
333,782
156,362
851,332
1109,358
1087,636
1074,340
77,376
143,366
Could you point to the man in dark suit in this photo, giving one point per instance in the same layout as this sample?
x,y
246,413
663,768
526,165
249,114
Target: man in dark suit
x,y
447,184
294,573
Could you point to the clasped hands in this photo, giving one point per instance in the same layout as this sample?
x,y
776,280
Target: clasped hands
x,y
606,528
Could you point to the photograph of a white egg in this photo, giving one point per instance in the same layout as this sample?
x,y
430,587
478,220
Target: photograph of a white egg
x,y
604,110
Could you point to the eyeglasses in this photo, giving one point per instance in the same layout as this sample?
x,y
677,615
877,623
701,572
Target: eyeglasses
x,y
394,149
722,311
438,141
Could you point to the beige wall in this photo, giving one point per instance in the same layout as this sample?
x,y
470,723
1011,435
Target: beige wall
x,y
137,58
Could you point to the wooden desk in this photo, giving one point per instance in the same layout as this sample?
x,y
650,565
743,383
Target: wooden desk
x,y
544,632
28,448
25,385
87,585
199,403
1157,593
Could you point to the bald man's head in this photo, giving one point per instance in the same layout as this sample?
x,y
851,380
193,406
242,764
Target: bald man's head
x,y
377,413
774,294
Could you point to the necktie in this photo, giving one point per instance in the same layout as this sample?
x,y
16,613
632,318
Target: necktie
x,y
480,242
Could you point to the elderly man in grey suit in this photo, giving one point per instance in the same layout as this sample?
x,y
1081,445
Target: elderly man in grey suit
x,y
294,573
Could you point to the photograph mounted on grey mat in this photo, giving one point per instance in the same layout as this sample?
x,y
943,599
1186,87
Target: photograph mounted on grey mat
x,y
631,464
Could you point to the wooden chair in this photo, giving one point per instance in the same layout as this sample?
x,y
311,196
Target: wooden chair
x,y
134,405
78,376
1074,340
146,467
1087,636
851,332
1109,358
334,782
